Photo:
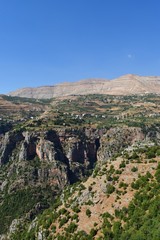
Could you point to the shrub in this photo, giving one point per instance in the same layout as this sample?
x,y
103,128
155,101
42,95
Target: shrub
x,y
157,175
90,188
88,212
134,156
150,154
71,228
122,165
110,189
134,169
76,209
53,228
93,232
158,152
63,221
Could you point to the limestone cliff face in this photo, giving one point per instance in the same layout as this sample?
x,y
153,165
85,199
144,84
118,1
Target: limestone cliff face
x,y
59,157
116,139
8,143
46,158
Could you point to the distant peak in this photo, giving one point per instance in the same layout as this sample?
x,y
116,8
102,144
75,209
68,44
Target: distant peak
x,y
125,85
129,76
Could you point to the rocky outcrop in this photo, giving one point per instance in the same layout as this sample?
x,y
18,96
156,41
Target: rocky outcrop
x,y
116,139
8,144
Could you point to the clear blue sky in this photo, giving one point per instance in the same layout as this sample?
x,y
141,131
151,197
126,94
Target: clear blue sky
x,y
44,42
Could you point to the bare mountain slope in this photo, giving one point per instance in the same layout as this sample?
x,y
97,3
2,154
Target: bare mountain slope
x,y
124,85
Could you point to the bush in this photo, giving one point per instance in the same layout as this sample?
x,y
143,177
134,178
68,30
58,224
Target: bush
x,y
122,165
157,175
123,185
76,209
63,221
110,189
134,169
93,232
134,156
150,154
90,188
88,212
158,152
71,228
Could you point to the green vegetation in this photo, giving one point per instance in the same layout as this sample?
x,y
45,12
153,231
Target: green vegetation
x,y
110,189
134,169
102,111
88,212
141,218
143,215
18,100
15,205
106,111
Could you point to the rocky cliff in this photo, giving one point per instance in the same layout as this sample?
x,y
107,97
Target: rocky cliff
x,y
60,157
54,158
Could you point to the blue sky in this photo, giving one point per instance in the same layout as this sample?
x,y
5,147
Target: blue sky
x,y
45,42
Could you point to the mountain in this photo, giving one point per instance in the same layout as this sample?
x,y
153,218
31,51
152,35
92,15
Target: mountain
x,y
125,85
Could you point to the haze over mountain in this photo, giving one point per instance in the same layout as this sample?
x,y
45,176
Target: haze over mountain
x,y
125,85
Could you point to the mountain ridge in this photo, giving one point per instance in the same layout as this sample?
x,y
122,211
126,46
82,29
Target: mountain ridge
x,y
129,84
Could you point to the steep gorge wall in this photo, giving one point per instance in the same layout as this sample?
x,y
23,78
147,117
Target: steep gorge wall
x,y
60,157
46,158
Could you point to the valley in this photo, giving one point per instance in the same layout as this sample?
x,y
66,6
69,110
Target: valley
x,y
80,167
